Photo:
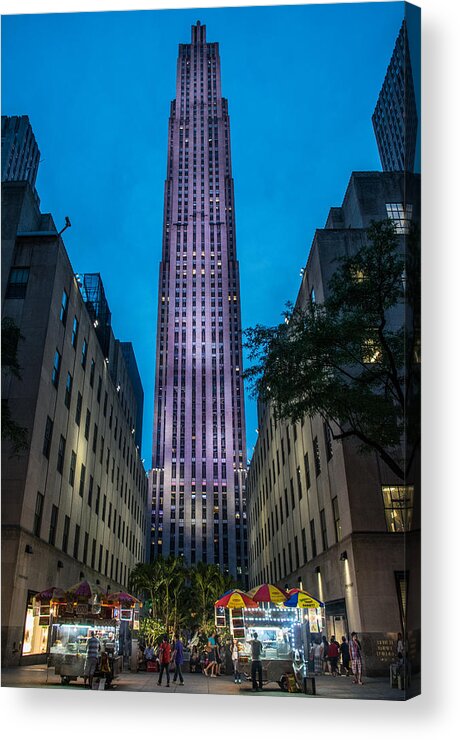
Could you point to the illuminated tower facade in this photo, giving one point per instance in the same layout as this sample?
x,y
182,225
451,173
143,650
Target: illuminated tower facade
x,y
199,440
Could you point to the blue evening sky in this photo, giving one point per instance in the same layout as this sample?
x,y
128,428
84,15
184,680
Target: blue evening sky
x,y
302,83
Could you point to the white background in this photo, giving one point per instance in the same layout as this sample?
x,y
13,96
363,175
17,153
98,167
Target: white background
x,y
39,713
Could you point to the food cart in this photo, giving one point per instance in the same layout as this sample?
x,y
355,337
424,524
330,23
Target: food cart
x,y
72,617
284,631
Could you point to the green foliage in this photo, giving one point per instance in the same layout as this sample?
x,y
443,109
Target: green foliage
x,y
180,596
351,359
151,631
11,431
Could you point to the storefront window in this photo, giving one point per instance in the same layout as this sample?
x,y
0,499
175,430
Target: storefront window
x,y
35,632
398,502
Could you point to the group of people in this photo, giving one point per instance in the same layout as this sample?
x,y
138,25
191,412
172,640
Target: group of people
x,y
168,654
96,660
325,656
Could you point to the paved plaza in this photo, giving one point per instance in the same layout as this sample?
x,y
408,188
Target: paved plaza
x,y
327,687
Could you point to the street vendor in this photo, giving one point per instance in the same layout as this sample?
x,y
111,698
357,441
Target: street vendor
x,y
93,647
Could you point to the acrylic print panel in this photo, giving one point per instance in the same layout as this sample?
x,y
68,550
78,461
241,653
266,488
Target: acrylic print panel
x,y
211,300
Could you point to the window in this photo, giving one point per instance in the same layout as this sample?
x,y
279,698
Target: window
x,y
73,465
76,542
401,215
53,524
95,438
78,409
68,390
328,440
371,351
398,502
64,307
56,369
91,373
306,465
322,517
337,525
402,578
313,538
316,456
17,283
48,436
87,423
61,453
74,332
84,354
65,534
38,514
82,480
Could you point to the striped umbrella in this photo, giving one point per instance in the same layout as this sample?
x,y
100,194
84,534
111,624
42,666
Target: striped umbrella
x,y
236,599
121,597
266,592
84,590
302,600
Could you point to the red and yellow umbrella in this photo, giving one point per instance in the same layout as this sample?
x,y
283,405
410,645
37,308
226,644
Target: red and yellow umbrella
x,y
54,593
302,600
236,599
267,592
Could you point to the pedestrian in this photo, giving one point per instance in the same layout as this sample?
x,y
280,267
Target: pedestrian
x,y
318,656
256,663
356,659
400,647
236,661
220,649
325,653
345,655
178,657
211,667
165,659
93,647
333,655
194,659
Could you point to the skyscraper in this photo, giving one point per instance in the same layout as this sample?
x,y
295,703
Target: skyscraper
x,y
199,441
395,116
20,154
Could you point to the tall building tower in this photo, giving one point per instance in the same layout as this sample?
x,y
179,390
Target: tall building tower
x,y
395,116
20,154
199,441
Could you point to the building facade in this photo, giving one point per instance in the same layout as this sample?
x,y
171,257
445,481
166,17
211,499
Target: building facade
x,y
199,445
395,117
20,154
319,511
75,502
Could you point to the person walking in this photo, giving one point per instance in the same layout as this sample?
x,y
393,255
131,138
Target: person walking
x,y
93,647
356,659
236,661
318,656
333,655
165,659
178,657
256,663
325,646
345,655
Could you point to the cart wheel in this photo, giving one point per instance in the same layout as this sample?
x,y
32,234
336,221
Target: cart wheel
x,y
65,680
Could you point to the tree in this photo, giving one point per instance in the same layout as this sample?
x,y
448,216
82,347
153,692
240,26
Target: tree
x,y
353,359
11,431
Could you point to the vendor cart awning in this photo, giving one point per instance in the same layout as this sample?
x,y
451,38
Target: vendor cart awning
x,y
236,599
302,600
267,592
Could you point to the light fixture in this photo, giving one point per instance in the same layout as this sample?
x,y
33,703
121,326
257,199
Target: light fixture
x,y
28,550
318,570
60,564
118,388
96,323
343,555
82,575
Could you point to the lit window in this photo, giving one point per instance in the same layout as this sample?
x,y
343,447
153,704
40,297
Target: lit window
x,y
371,351
398,502
401,215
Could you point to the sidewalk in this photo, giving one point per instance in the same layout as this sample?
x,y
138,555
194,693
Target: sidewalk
x,y
327,687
